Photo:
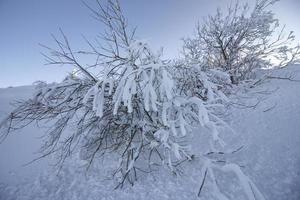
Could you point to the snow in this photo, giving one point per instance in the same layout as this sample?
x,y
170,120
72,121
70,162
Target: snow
x,y
266,121
271,132
21,147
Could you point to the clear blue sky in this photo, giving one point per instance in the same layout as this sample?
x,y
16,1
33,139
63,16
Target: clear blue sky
x,y
26,23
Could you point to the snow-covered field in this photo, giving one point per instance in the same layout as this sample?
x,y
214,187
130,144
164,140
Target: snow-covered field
x,y
266,120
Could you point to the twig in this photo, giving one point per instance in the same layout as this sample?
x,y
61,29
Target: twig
x,y
270,108
202,183
283,78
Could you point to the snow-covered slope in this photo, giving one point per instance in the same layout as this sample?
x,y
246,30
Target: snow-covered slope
x,y
21,147
271,132
266,120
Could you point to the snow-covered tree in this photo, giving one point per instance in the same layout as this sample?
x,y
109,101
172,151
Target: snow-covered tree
x,y
129,104
240,40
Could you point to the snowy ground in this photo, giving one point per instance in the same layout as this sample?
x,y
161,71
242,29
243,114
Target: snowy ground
x,y
21,147
271,132
266,119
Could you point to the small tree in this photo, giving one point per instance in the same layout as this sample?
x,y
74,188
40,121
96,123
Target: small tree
x,y
240,41
125,104
129,104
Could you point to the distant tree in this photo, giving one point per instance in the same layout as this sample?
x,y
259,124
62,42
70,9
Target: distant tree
x,y
240,41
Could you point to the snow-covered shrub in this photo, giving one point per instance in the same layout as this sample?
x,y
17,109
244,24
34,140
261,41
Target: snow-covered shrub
x,y
238,41
194,81
127,104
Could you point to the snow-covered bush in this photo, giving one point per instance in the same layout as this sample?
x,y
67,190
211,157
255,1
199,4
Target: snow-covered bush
x,y
128,104
194,81
239,41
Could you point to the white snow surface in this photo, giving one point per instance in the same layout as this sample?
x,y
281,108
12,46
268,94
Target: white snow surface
x,y
266,120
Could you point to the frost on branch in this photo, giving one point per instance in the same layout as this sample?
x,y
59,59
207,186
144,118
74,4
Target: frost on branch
x,y
209,169
241,40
